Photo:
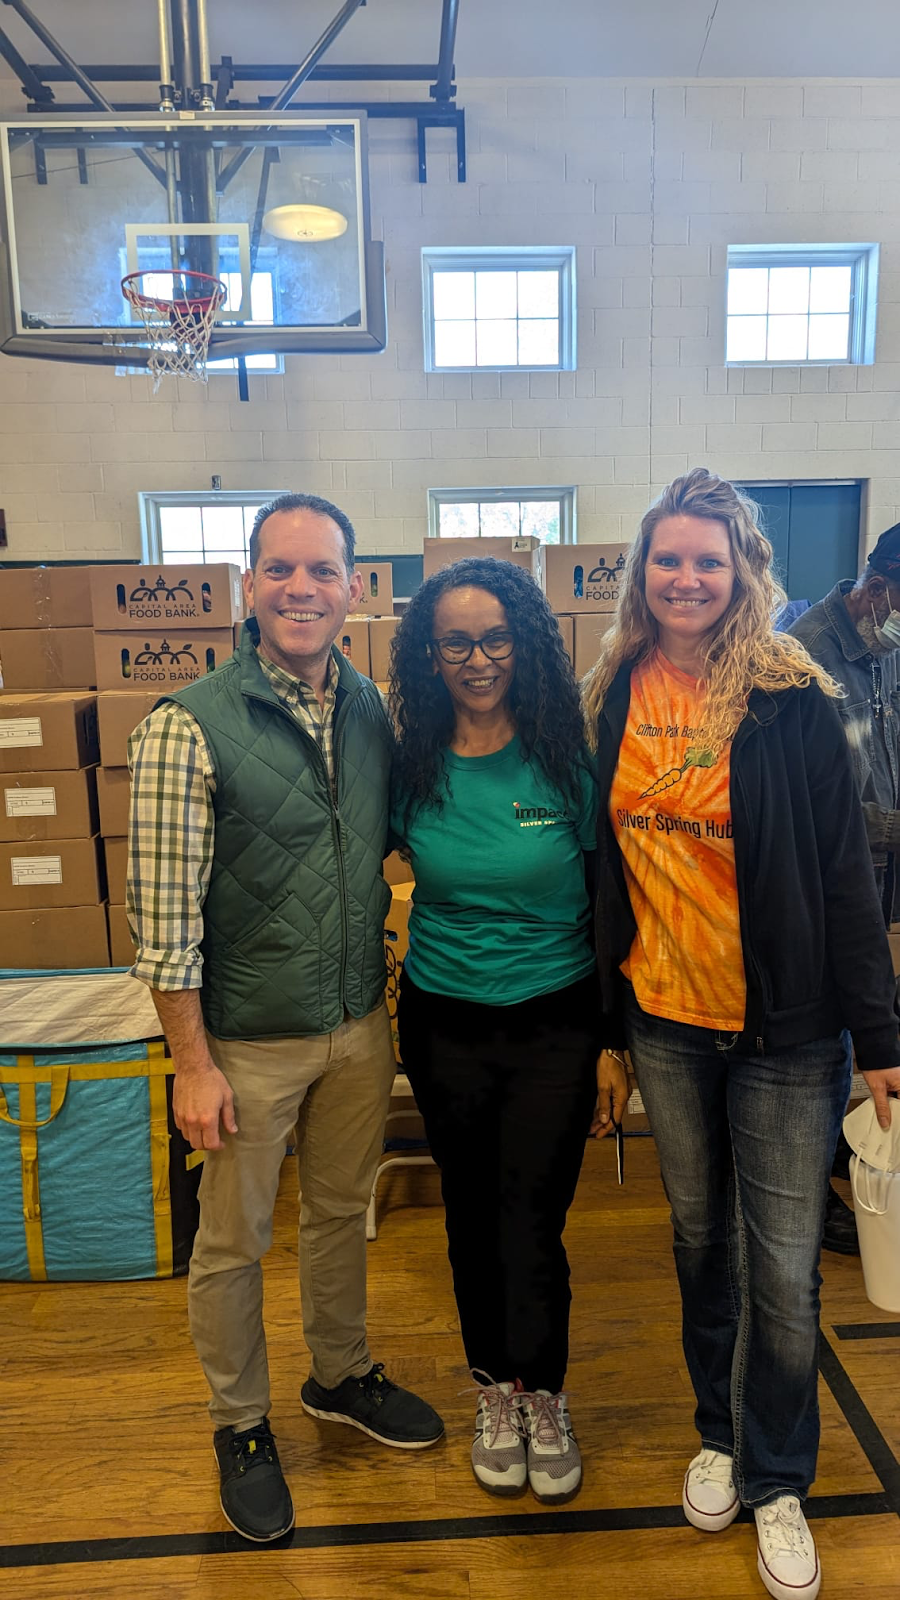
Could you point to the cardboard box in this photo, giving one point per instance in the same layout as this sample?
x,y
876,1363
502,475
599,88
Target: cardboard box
x,y
583,577
378,589
45,597
396,944
47,732
396,870
116,854
589,630
381,632
526,552
114,798
162,660
567,629
48,805
118,713
35,873
47,658
353,640
66,937
172,597
121,944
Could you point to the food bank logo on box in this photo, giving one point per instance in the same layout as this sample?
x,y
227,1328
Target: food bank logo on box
x,y
162,664
162,600
601,584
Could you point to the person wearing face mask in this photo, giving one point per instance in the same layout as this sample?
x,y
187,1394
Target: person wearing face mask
x,y
854,633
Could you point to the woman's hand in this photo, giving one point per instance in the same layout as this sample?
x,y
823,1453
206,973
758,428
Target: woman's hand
x,y
612,1093
883,1084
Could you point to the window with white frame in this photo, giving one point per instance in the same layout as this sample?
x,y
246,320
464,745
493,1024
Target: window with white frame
x,y
800,304
194,528
499,309
546,514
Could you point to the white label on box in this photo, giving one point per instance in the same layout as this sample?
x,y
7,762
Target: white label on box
x,y
30,802
29,870
18,731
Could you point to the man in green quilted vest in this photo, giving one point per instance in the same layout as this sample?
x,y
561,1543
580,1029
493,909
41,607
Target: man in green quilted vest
x,y
257,905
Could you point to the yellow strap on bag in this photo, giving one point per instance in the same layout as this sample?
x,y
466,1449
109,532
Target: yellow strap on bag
x,y
27,1075
157,1066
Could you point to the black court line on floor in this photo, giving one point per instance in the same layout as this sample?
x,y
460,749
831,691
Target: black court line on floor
x,y
868,1435
337,1535
158,1547
868,1330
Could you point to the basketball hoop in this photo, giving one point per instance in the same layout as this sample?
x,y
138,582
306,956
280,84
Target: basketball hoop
x,y
179,321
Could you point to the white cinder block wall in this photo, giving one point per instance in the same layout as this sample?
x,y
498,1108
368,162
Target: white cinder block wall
x,y
651,182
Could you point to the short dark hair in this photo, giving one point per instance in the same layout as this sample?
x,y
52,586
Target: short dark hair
x,y
305,502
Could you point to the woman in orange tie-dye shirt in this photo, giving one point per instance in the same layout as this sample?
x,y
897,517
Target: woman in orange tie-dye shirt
x,y
738,933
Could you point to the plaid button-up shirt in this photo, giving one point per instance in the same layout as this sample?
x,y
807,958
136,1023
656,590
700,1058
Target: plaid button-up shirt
x,y
172,831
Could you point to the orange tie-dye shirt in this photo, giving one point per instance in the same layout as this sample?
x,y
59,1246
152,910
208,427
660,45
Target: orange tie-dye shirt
x,y
670,808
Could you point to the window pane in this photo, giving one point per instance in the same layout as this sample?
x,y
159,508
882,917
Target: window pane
x,y
748,290
788,290
496,344
181,527
187,558
539,344
540,518
829,338
538,294
223,526
746,339
454,344
234,555
453,294
787,339
459,521
495,294
830,289
500,519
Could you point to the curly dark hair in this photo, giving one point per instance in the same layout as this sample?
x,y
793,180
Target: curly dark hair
x,y
543,697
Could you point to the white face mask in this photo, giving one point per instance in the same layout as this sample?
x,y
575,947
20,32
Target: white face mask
x,y
888,632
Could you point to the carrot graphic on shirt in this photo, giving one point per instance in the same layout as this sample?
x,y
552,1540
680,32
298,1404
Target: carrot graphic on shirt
x,y
693,758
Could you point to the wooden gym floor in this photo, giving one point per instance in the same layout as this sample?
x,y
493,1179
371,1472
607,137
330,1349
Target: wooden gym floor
x,y
109,1486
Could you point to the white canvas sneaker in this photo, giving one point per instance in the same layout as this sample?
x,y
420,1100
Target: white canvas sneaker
x,y
554,1460
498,1449
787,1559
709,1497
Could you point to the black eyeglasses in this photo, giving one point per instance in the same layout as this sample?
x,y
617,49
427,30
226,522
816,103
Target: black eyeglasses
x,y
456,648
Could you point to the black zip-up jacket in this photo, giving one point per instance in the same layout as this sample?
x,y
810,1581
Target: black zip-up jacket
x,y
816,956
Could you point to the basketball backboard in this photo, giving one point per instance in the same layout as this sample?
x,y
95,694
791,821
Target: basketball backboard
x,y
275,206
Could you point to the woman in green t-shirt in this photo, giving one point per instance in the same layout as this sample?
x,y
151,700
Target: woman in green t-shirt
x,y
495,803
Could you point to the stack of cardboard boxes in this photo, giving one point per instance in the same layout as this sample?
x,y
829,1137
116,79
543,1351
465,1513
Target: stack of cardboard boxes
x,y
155,630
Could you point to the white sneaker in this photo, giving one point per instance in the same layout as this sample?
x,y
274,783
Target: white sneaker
x,y
709,1497
498,1449
554,1460
787,1559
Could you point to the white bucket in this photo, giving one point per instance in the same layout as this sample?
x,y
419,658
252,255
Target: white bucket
x,y
876,1203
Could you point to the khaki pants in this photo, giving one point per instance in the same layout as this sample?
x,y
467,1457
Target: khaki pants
x,y
335,1087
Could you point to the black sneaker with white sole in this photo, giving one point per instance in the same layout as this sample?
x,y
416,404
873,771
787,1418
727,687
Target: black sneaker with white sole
x,y
376,1405
253,1494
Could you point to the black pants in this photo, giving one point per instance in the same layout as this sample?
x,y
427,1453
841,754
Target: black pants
x,y
506,1093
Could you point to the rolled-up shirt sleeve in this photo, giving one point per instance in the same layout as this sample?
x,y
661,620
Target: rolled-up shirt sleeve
x,y
170,847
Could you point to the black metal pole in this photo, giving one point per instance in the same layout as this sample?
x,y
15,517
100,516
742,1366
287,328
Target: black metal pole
x,y
258,72
196,179
450,16
286,95
28,76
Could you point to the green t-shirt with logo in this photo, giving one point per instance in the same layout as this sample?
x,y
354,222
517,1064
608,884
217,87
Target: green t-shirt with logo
x,y
500,909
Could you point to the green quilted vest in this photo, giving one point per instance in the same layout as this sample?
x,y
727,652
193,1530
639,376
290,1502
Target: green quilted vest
x,y
294,916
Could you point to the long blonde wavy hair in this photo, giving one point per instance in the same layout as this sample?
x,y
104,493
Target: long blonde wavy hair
x,y
744,652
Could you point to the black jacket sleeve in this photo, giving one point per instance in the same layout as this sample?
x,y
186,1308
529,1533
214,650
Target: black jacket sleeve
x,y
856,941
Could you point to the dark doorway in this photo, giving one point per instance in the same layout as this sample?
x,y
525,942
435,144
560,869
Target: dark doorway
x,y
814,529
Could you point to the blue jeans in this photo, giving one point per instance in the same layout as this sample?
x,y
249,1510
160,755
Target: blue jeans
x,y
746,1144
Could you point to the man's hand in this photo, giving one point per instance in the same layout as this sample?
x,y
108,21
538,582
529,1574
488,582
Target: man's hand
x,y
883,1084
612,1094
203,1107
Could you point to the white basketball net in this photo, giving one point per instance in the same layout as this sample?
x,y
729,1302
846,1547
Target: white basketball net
x,y
179,327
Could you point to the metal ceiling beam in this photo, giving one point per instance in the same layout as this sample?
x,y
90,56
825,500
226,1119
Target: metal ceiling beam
x,y
258,72
441,88
29,77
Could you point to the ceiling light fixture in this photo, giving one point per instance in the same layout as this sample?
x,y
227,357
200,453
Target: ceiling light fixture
x,y
304,224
